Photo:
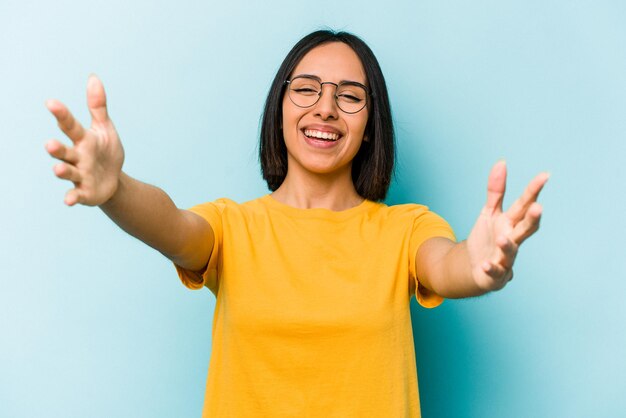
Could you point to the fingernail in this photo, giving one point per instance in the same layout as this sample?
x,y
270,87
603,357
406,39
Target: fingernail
x,y
92,80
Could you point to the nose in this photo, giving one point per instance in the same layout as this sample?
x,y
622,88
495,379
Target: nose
x,y
326,106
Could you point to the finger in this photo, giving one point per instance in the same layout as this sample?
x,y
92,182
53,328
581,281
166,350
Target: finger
x,y
61,152
68,124
518,209
96,99
493,270
73,197
496,186
67,172
508,276
507,251
529,225
498,274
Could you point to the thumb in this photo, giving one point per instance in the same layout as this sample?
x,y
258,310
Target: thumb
x,y
96,99
496,186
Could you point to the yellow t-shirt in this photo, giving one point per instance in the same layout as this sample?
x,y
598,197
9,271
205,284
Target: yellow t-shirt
x,y
312,314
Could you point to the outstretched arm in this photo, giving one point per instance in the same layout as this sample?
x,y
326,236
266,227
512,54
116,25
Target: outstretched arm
x,y
483,262
94,165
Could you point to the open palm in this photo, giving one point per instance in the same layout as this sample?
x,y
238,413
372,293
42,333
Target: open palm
x,y
94,162
494,241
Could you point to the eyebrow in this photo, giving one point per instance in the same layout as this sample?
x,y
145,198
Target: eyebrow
x,y
320,80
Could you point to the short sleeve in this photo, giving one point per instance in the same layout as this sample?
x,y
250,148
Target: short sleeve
x,y
426,225
212,213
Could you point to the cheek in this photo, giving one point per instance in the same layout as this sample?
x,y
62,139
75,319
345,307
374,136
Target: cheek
x,y
289,118
289,125
361,124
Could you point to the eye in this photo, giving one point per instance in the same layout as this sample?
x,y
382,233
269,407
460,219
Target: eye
x,y
304,86
307,91
351,93
349,97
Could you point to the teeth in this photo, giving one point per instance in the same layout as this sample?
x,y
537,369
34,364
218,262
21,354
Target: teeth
x,y
321,135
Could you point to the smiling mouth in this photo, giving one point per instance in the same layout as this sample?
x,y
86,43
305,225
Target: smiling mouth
x,y
324,136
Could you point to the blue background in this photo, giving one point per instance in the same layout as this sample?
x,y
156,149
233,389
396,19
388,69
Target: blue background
x,y
95,324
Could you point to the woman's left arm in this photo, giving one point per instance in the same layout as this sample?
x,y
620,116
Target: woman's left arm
x,y
484,261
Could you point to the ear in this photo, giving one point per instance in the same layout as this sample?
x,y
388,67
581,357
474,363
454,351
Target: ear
x,y
365,138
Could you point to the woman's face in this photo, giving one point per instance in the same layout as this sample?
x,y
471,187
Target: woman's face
x,y
322,139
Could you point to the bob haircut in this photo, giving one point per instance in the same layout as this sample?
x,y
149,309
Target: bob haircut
x,y
372,167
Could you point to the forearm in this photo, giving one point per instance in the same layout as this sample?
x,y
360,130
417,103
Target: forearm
x,y
483,262
147,213
457,279
94,163
445,268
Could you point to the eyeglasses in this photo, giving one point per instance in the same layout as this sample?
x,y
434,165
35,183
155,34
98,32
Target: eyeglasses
x,y
305,91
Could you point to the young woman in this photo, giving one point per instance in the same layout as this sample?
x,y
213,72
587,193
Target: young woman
x,y
312,282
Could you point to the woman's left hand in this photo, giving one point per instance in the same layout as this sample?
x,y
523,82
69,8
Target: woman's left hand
x,y
495,239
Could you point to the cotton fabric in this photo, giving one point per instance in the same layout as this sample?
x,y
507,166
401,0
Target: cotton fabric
x,y
312,313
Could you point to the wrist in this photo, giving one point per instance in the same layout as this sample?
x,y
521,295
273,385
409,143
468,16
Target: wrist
x,y
120,186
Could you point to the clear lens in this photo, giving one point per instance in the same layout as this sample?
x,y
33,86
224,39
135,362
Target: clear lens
x,y
305,92
351,97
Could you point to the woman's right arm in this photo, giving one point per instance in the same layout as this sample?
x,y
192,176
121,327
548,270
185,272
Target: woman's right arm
x,y
94,164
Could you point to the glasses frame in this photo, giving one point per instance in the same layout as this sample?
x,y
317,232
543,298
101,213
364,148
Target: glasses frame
x,y
319,95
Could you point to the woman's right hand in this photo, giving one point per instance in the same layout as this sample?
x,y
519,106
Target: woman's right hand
x,y
94,162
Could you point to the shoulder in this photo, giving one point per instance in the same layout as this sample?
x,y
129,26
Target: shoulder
x,y
406,209
400,213
417,217
214,211
226,204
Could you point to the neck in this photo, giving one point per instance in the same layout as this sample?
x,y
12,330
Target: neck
x,y
334,192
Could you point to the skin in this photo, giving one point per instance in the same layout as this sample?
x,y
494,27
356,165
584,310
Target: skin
x,y
317,177
483,262
321,177
93,163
